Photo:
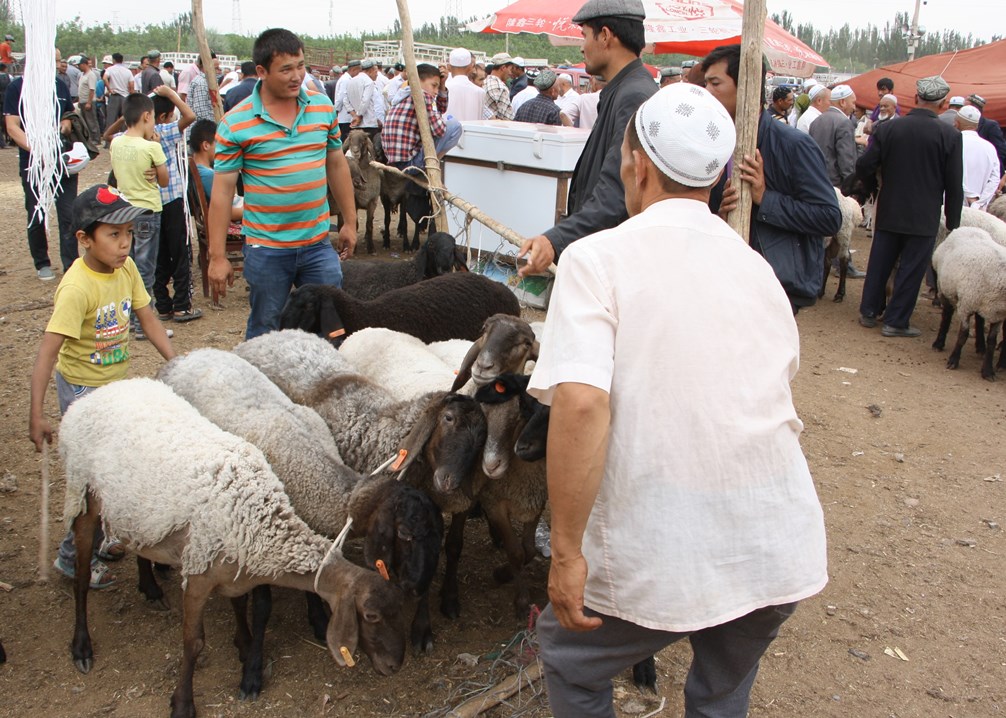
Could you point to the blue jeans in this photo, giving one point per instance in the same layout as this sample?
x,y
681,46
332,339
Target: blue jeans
x,y
271,273
68,393
146,239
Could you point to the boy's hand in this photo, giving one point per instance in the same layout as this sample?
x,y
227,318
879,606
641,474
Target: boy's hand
x,y
150,174
163,91
39,430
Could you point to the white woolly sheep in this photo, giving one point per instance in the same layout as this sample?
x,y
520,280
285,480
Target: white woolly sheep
x,y
441,433
193,496
398,362
402,526
997,207
981,220
971,275
451,306
839,245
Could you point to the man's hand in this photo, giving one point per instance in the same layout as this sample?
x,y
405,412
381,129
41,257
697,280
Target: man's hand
x,y
87,106
221,276
347,240
39,430
752,171
730,198
566,579
65,127
540,253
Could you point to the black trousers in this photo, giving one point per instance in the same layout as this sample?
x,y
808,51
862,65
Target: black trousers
x,y
174,261
38,243
915,254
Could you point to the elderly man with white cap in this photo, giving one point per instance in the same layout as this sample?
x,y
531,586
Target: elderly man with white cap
x,y
568,99
820,101
364,102
835,134
613,38
981,163
465,100
955,103
670,521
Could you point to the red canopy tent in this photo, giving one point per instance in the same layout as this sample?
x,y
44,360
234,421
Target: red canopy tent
x,y
978,70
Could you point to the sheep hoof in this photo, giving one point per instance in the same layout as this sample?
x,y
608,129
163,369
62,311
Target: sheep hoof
x,y
423,644
988,375
84,665
249,695
158,604
450,607
644,675
952,363
839,298
938,345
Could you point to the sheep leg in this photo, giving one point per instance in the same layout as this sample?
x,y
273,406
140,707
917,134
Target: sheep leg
x,y
371,211
242,636
954,360
980,334
193,638
148,584
450,604
941,335
843,270
422,628
512,570
827,267
403,219
251,674
530,550
388,209
1001,364
988,372
644,674
317,615
83,539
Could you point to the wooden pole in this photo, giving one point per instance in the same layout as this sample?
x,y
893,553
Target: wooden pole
x,y
749,108
431,160
204,54
481,703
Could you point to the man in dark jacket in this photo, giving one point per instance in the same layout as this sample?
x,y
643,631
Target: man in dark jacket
x,y
834,133
794,204
921,165
241,91
613,39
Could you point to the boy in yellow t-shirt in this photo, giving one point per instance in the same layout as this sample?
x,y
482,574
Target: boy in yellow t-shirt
x,y
87,338
136,153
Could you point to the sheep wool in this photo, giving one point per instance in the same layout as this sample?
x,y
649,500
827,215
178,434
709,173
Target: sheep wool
x,y
970,217
159,467
997,207
240,399
399,362
971,273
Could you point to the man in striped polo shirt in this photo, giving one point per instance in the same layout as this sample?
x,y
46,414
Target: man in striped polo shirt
x,y
285,146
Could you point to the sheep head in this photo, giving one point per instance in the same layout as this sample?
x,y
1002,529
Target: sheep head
x,y
405,533
507,343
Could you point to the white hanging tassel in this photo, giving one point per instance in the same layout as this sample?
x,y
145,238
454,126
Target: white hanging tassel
x,y
39,105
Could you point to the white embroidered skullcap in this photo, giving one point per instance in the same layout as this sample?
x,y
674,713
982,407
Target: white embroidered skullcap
x,y
566,76
686,133
815,91
890,98
460,57
840,92
970,114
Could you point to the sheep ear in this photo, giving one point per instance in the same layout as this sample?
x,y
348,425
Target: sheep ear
x,y
416,439
329,322
380,536
460,264
465,370
343,631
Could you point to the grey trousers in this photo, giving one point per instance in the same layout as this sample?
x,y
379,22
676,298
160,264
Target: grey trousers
x,y
579,667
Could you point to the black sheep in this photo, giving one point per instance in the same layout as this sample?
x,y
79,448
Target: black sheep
x,y
451,306
366,279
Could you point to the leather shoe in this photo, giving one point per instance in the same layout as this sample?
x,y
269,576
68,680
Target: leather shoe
x,y
853,273
888,331
868,322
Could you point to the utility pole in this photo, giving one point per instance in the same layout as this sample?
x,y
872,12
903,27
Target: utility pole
x,y
236,17
913,32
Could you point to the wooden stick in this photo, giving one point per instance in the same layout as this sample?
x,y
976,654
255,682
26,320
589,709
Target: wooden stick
x,y
43,528
465,206
481,703
749,108
199,28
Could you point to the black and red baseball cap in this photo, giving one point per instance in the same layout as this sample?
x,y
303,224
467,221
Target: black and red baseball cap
x,y
102,203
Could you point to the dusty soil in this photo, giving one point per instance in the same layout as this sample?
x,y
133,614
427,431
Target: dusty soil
x,y
913,497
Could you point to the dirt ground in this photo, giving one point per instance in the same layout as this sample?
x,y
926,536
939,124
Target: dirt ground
x,y
907,456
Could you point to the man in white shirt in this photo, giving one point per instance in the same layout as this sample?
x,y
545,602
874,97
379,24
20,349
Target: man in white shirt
x,y
168,74
820,101
528,93
569,99
391,89
465,100
588,103
363,101
981,163
681,504
352,70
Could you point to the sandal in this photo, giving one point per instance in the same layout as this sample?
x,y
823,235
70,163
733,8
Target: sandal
x,y
111,549
100,574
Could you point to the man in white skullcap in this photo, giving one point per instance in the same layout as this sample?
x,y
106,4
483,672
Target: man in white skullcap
x,y
820,99
835,134
669,520
568,99
465,100
981,163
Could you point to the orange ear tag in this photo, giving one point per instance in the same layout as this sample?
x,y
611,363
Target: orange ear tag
x,y
500,389
382,569
402,453
347,656
335,333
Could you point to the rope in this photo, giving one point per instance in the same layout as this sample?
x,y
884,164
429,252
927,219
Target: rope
x,y
335,547
39,106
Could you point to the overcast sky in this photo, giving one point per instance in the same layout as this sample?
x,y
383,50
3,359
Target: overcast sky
x,y
982,18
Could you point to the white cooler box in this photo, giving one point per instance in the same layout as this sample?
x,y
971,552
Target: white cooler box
x,y
518,174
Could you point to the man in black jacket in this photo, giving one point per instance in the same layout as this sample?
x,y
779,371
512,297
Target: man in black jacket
x,y
921,167
613,39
